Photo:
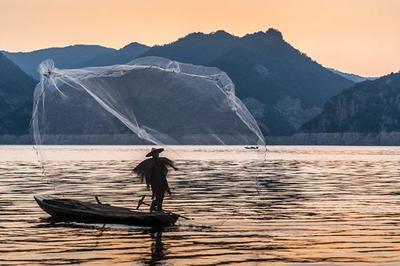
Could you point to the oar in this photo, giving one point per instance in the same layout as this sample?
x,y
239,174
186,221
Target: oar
x,y
184,217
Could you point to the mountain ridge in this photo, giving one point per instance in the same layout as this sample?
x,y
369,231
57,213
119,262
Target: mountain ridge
x,y
350,76
272,77
281,86
120,56
64,57
372,106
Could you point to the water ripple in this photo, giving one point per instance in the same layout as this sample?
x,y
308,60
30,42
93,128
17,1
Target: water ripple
x,y
302,205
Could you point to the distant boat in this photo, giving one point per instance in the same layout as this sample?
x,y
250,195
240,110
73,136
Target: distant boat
x,y
251,147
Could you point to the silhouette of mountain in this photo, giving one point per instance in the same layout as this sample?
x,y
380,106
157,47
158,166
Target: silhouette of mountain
x,y
196,48
281,86
369,106
64,57
16,89
121,56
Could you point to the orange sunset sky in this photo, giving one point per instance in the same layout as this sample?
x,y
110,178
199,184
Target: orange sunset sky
x,y
358,36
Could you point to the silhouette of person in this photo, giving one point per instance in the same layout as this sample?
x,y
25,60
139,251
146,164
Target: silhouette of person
x,y
154,171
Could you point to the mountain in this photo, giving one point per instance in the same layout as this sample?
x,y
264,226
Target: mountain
x,y
196,48
282,87
367,107
64,57
16,92
353,77
121,56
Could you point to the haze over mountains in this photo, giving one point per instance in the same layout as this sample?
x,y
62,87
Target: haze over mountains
x,y
282,87
353,77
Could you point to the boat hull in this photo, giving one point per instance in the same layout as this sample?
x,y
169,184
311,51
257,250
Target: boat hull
x,y
75,210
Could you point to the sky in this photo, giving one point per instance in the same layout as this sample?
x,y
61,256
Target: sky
x,y
357,36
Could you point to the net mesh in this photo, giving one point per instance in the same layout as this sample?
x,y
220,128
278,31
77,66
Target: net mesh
x,y
150,100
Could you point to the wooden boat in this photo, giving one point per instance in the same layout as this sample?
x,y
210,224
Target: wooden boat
x,y
75,210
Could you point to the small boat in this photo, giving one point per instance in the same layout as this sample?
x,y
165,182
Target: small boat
x,y
251,148
75,210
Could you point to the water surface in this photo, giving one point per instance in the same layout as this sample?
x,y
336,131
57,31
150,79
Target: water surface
x,y
302,205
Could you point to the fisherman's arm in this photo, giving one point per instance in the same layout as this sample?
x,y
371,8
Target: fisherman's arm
x,y
172,165
167,188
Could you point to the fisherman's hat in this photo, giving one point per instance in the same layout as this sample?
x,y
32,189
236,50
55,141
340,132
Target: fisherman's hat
x,y
154,151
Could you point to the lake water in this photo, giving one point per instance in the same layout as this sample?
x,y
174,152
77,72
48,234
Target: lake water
x,y
302,205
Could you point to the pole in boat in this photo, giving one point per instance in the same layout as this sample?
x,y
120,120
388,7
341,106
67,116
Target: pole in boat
x,y
141,201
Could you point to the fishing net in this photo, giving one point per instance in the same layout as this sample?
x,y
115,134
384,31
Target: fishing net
x,y
151,100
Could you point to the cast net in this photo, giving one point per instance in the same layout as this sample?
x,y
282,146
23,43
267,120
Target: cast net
x,y
151,100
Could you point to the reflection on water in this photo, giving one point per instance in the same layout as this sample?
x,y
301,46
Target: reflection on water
x,y
328,205
157,247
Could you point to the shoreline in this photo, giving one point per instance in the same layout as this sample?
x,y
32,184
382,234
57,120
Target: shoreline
x,y
323,139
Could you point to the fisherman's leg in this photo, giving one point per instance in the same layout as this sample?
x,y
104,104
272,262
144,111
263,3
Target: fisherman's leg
x,y
153,205
160,202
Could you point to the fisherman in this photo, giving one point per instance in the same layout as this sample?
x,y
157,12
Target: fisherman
x,y
154,170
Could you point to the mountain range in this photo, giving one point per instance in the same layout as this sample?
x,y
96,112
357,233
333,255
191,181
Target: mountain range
x,y
284,89
65,57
